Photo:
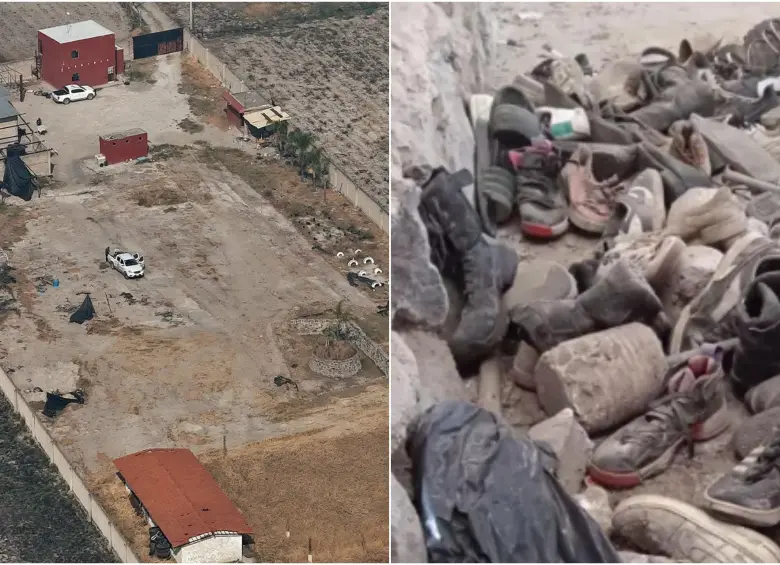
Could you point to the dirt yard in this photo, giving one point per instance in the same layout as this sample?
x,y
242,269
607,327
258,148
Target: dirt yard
x,y
20,22
236,246
326,64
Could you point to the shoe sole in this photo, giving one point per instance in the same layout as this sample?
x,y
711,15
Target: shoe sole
x,y
713,427
747,516
750,546
542,231
586,225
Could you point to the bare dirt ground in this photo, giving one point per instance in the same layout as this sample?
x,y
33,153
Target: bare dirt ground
x,y
326,64
606,31
20,22
236,246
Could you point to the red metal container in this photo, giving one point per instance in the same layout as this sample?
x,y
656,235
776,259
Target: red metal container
x,y
82,53
124,146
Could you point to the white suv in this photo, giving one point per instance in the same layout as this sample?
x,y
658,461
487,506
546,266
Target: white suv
x,y
72,93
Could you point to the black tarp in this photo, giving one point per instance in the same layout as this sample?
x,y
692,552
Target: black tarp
x,y
56,403
486,496
18,179
85,312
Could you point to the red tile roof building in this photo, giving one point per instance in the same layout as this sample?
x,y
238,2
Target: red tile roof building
x,y
180,495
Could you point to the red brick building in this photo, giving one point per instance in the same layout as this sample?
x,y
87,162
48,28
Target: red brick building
x,y
83,53
124,146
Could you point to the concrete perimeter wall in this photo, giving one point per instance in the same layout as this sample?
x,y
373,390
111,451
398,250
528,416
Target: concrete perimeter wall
x,y
75,483
338,178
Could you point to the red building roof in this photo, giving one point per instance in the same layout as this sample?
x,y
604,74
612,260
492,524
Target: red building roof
x,y
180,495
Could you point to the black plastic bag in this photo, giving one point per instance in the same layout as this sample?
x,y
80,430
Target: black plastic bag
x,y
485,496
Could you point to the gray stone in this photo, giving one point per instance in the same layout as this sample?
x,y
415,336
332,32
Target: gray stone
x,y
405,387
606,377
419,296
407,544
595,501
571,445
439,378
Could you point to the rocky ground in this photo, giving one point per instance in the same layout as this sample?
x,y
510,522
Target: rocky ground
x,y
440,55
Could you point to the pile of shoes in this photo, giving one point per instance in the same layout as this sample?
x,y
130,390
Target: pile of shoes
x,y
671,163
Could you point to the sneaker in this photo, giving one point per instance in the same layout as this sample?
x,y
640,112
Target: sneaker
x,y
750,493
663,525
755,431
540,200
694,410
689,146
640,208
713,314
654,255
591,200
756,358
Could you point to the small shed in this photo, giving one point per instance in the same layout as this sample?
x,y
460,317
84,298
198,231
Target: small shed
x,y
249,111
124,145
179,496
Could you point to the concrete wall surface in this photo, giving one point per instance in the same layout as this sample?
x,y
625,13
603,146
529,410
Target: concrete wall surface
x,y
76,484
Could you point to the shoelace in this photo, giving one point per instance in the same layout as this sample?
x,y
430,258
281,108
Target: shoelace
x,y
769,458
603,193
665,412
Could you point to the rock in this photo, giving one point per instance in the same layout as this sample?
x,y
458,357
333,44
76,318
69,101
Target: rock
x,y
633,557
521,408
407,544
440,55
524,366
405,384
606,377
419,296
571,445
440,379
595,501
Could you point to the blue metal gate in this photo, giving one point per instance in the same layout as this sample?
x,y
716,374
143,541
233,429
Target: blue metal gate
x,y
158,43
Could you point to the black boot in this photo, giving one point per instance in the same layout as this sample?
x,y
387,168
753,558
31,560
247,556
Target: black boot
x,y
757,357
483,270
621,297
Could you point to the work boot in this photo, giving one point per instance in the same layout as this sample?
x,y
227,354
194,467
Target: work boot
x,y
707,216
714,314
678,103
621,297
693,410
757,357
750,493
484,270
689,146
663,525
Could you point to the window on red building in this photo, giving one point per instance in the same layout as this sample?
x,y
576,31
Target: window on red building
x,y
74,54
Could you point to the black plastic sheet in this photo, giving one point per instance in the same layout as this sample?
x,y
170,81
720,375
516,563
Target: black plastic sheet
x,y
85,312
18,180
485,496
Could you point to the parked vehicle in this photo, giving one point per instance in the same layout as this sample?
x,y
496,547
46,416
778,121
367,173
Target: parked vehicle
x,y
131,265
72,93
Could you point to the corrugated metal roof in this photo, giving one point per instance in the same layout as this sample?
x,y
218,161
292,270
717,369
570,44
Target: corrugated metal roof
x,y
7,109
180,495
76,32
122,134
262,118
4,92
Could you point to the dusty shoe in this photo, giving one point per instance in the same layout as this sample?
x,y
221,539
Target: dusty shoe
x,y
654,255
764,396
707,216
540,200
768,139
757,358
621,297
690,275
713,315
457,245
539,280
750,493
689,146
694,410
755,431
640,208
663,525
591,199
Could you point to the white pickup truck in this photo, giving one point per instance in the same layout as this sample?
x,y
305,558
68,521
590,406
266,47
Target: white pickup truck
x,y
131,265
72,93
